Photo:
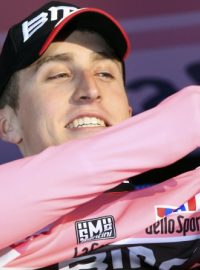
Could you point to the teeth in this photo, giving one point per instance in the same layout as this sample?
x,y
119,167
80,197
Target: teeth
x,y
86,122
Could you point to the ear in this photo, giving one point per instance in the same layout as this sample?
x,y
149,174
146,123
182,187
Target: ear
x,y
9,126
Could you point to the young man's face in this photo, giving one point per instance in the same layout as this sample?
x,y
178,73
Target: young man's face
x,y
73,91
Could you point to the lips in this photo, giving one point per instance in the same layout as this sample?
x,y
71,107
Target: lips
x,y
86,121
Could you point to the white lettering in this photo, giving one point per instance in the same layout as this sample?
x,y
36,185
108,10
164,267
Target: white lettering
x,y
98,263
66,12
30,27
167,265
117,259
145,252
95,229
83,234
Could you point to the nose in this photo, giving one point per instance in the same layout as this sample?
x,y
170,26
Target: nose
x,y
87,89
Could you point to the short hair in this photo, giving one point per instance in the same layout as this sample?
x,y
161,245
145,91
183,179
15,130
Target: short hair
x,y
10,94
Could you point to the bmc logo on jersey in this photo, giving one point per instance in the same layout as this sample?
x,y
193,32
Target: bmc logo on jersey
x,y
95,229
56,14
192,205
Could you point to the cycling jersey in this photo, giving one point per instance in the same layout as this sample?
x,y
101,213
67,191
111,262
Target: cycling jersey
x,y
64,186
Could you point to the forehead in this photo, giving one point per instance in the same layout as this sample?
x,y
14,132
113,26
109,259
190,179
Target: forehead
x,y
79,46
83,39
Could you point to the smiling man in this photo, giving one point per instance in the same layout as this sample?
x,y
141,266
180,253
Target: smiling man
x,y
79,77
63,102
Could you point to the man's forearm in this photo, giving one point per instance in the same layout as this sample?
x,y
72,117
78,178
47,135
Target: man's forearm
x,y
38,190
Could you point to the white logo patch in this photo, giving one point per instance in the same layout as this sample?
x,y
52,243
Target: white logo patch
x,y
95,229
32,26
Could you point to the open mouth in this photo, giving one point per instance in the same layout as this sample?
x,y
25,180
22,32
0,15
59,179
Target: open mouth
x,y
87,121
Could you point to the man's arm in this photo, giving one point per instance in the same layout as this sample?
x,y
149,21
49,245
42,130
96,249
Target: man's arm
x,y
138,218
38,190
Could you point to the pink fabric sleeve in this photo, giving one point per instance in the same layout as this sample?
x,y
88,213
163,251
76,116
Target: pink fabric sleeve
x,y
135,213
38,190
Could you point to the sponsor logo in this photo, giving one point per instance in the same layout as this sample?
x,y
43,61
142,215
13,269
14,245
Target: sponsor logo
x,y
180,225
155,255
56,14
95,229
192,205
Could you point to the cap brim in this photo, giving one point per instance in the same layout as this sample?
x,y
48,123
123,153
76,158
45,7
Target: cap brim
x,y
99,21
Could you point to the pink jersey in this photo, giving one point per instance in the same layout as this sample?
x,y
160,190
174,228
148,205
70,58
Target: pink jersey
x,y
64,186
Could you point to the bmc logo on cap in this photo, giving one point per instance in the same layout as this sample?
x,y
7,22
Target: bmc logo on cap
x,y
30,27
95,229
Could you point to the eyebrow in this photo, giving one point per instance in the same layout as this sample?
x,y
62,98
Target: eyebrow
x,y
101,55
53,58
68,57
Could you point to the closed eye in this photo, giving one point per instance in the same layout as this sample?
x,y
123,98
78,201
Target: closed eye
x,y
105,75
59,76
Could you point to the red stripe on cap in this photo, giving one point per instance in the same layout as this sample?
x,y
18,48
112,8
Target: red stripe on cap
x,y
56,30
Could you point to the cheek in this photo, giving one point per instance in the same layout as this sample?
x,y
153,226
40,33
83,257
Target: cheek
x,y
31,111
120,110
119,104
38,105
27,110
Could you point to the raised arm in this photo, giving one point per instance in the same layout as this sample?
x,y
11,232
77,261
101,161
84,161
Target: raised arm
x,y
38,190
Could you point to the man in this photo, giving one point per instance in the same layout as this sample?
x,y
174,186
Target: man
x,y
62,102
